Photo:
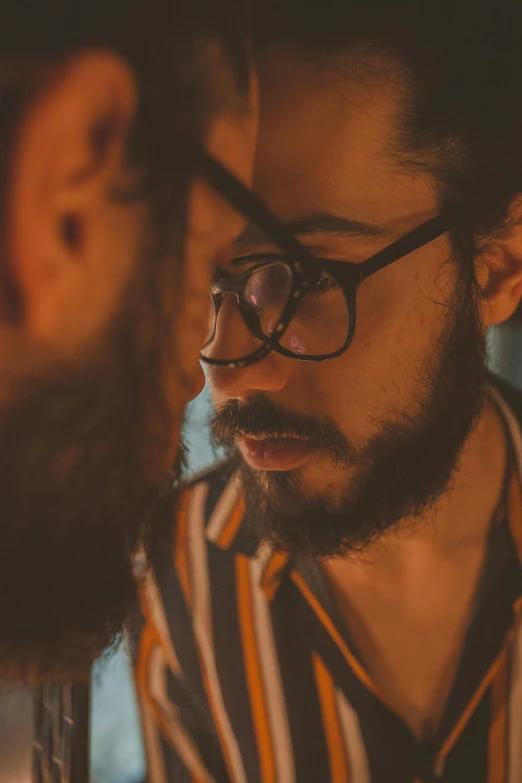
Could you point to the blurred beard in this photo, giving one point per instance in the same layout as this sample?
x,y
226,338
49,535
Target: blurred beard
x,y
84,456
397,474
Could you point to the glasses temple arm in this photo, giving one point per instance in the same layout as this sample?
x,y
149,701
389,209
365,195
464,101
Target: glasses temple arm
x,y
420,236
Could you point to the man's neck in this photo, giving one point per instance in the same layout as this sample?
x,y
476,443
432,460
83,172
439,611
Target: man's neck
x,y
408,600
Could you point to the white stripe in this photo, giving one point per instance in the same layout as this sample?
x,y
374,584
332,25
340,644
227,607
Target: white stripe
x,y
178,736
273,686
223,508
511,422
203,627
353,740
515,708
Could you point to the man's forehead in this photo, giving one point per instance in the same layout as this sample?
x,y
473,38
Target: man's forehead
x,y
335,183
326,161
326,130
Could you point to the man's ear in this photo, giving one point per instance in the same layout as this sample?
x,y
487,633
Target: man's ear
x,y
68,150
499,271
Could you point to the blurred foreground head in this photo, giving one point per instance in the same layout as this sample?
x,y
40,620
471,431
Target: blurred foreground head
x,y
108,245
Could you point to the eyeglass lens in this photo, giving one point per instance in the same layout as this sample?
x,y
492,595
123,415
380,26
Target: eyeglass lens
x,y
319,326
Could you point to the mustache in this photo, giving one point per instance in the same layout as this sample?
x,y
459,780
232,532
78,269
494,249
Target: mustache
x,y
262,418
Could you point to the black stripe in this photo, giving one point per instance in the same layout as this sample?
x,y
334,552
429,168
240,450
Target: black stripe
x,y
295,648
199,728
189,694
181,630
229,656
469,760
176,771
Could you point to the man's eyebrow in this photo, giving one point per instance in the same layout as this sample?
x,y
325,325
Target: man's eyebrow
x,y
317,223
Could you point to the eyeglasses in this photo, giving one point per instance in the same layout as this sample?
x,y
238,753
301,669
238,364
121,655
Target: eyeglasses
x,y
290,301
302,307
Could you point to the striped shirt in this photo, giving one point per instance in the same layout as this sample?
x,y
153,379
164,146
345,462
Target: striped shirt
x,y
245,673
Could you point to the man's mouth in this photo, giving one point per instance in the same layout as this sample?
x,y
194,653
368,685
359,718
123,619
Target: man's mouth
x,y
264,453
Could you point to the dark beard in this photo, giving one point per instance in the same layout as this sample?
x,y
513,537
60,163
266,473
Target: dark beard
x,y
399,473
82,463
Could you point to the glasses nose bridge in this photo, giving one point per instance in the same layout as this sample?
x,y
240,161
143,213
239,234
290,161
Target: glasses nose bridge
x,y
219,290
229,285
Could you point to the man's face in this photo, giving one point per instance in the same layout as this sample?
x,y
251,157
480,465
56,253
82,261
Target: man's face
x,y
87,444
372,436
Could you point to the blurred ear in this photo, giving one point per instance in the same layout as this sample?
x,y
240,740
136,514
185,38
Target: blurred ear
x,y
68,151
500,272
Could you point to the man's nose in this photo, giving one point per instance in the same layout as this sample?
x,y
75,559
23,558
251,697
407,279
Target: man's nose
x,y
270,374
234,340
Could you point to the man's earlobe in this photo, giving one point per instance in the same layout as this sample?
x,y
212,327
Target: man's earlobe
x,y
499,271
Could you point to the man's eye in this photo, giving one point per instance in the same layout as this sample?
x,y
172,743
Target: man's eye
x,y
324,284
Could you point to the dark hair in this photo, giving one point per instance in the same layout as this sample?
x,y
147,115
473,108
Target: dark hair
x,y
461,68
189,58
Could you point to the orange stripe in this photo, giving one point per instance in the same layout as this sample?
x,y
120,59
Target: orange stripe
x,y
181,552
498,728
515,511
356,667
146,644
232,525
332,726
270,580
253,671
148,640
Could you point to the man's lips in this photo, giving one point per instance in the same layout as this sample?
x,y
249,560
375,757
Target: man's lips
x,y
274,453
